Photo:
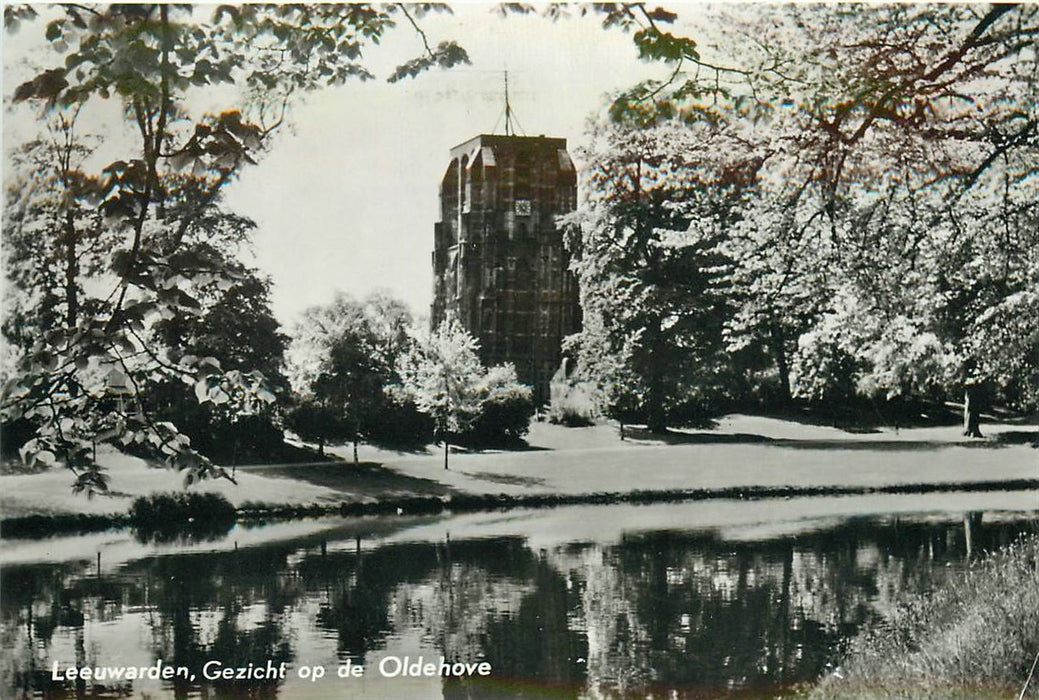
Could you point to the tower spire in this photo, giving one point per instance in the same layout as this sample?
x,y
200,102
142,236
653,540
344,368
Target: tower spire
x,y
508,108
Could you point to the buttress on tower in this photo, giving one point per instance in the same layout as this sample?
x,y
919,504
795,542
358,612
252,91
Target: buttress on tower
x,y
499,264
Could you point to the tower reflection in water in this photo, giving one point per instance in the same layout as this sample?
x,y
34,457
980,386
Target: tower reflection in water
x,y
674,613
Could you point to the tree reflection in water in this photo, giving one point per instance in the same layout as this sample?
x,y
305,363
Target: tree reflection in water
x,y
665,613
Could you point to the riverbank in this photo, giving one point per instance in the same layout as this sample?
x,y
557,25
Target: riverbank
x,y
976,637
742,457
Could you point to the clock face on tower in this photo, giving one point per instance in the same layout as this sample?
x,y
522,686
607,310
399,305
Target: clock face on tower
x,y
522,207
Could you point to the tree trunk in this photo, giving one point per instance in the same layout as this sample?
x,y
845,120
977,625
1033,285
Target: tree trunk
x,y
357,433
972,410
782,366
447,451
656,416
656,420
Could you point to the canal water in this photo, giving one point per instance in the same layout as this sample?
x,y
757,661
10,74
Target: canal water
x,y
690,600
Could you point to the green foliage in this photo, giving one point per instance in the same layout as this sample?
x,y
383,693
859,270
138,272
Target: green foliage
x,y
399,423
106,254
237,327
240,332
646,249
504,418
314,422
442,375
445,55
341,359
573,404
506,407
872,175
180,507
654,44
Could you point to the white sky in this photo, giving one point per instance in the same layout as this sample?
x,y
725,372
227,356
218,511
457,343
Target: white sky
x,y
347,198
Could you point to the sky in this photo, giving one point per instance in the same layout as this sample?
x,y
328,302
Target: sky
x,y
349,201
347,198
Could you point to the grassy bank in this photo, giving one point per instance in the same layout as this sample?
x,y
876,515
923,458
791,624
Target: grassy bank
x,y
425,504
977,637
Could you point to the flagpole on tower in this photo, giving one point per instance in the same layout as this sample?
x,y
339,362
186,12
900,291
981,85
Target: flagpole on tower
x,y
508,108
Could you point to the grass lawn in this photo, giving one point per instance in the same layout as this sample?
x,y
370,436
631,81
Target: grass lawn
x,y
740,451
50,492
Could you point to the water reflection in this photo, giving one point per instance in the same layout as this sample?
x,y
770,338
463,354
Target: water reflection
x,y
663,613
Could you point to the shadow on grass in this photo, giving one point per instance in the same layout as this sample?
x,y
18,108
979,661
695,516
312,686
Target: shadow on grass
x,y
363,479
1019,437
888,445
682,438
507,479
286,453
635,432
864,417
512,445
402,447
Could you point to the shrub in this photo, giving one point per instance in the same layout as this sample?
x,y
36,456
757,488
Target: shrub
x,y
505,416
822,370
570,415
397,421
571,402
247,438
15,434
167,516
506,407
693,412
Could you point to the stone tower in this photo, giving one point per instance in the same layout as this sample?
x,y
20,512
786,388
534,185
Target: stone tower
x,y
498,260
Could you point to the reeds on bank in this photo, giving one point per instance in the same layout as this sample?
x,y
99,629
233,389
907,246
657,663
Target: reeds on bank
x,y
977,637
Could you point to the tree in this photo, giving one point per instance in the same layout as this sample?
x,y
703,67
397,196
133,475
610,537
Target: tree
x,y
82,377
645,242
342,358
442,374
897,150
926,159
239,331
